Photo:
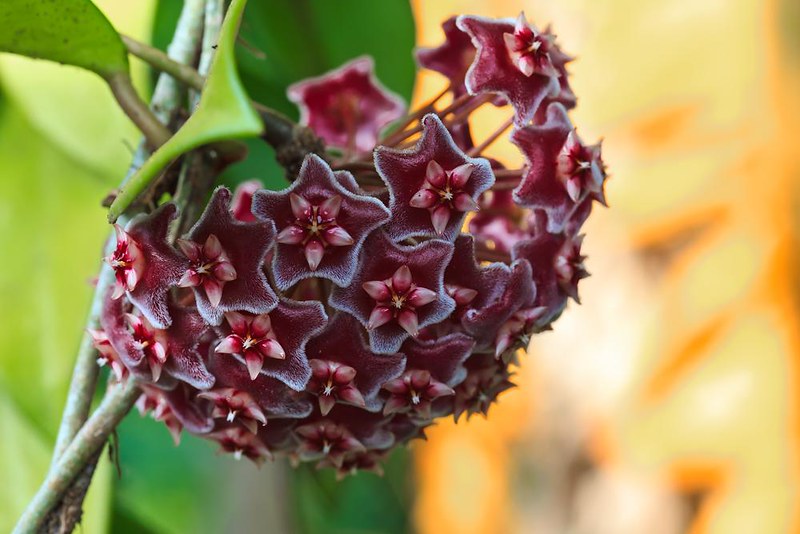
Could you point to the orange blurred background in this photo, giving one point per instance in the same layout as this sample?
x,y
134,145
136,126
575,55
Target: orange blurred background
x,y
668,402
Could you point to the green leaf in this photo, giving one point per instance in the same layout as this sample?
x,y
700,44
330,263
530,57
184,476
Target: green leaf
x,y
224,112
73,32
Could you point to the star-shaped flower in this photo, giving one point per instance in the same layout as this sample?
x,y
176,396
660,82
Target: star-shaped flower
x,y
397,290
326,439
226,259
433,185
557,268
146,350
487,377
251,401
452,58
345,370
413,393
322,225
239,441
443,358
176,408
513,60
561,172
274,344
491,309
348,106
145,265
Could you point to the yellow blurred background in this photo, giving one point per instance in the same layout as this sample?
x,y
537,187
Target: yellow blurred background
x,y
668,402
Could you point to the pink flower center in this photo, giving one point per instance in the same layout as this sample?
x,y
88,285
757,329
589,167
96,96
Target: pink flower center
x,y
150,341
574,167
443,192
529,50
315,228
209,267
252,338
397,298
127,262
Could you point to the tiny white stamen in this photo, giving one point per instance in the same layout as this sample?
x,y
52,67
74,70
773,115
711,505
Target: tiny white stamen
x,y
237,454
415,399
326,447
231,415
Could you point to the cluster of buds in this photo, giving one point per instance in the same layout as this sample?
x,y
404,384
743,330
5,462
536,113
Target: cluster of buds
x,y
393,282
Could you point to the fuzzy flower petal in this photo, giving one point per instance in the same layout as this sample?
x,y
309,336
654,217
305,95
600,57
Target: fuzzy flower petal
x,y
403,269
348,106
322,225
443,357
161,267
561,172
512,60
291,325
243,247
432,185
452,58
342,343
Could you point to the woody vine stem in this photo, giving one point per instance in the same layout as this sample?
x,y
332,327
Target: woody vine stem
x,y
80,437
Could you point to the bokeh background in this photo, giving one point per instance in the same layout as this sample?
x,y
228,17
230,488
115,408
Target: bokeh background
x,y
667,403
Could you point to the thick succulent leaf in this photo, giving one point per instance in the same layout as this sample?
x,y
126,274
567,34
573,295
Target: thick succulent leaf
x,y
73,32
224,112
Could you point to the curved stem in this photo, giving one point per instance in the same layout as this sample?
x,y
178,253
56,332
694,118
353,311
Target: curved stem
x,y
84,375
133,106
90,439
161,61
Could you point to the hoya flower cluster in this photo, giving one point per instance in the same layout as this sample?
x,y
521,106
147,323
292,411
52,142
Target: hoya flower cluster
x,y
390,284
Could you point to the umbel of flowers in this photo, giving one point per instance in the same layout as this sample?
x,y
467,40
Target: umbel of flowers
x,y
393,282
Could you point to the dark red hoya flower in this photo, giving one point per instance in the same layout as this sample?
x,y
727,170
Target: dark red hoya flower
x,y
274,344
486,378
452,58
241,251
145,265
530,50
561,172
340,347
397,290
321,223
239,441
557,268
518,72
253,339
328,440
233,404
348,106
107,355
414,392
433,185
443,358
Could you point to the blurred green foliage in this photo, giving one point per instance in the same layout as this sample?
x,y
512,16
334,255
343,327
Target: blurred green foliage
x,y
63,146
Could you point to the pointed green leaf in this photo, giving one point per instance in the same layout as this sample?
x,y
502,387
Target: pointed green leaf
x,y
224,112
73,32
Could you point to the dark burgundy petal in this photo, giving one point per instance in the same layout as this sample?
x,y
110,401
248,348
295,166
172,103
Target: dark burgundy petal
x,y
426,262
184,361
464,272
493,70
499,224
246,245
488,312
405,172
163,267
443,357
187,411
368,428
343,341
293,323
272,395
544,185
348,106
544,251
358,215
452,58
